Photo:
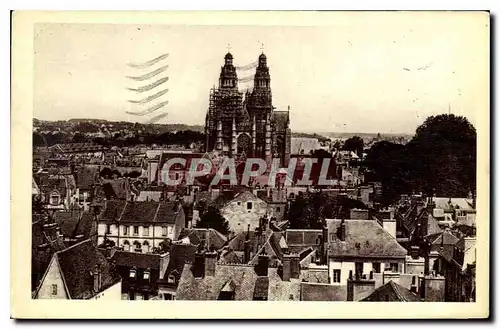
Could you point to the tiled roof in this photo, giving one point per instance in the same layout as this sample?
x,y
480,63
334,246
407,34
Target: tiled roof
x,y
210,236
261,289
322,292
179,255
116,188
139,260
392,292
244,281
86,177
76,264
363,238
139,211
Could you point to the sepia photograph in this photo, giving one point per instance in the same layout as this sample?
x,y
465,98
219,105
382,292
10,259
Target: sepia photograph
x,y
275,158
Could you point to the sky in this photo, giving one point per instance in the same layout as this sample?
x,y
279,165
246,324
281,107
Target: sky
x,y
372,75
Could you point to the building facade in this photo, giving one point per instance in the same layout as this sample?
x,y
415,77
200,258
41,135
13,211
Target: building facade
x,y
246,124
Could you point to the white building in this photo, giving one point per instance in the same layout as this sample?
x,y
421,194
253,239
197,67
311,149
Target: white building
x,y
140,226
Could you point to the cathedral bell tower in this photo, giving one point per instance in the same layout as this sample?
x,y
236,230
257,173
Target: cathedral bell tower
x,y
228,78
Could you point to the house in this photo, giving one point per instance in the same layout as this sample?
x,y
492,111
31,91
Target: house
x,y
79,272
139,272
57,191
361,247
86,178
140,226
205,279
245,209
179,255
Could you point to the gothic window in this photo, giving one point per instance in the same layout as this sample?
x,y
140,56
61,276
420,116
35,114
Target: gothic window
x,y
126,245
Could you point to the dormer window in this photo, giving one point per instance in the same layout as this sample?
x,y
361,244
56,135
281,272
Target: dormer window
x,y
55,199
171,279
132,273
146,275
249,205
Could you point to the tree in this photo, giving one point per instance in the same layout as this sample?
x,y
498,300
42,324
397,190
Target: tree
x,y
354,144
213,219
443,153
439,160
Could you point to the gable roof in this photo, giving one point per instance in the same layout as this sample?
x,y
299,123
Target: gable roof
x,y
138,260
208,235
363,238
140,211
77,262
393,292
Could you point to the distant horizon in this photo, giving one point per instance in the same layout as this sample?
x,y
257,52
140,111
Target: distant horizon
x,y
201,124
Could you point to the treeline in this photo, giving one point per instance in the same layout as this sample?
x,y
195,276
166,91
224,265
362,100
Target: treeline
x,y
182,138
440,160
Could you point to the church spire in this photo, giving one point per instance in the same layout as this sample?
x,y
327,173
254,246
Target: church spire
x,y
228,77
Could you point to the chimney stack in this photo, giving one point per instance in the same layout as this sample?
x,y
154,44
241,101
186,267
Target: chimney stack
x,y
291,267
199,265
342,230
210,263
262,264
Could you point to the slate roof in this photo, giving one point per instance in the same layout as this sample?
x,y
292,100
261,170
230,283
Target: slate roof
x,y
322,292
77,262
364,238
140,212
244,281
179,256
86,177
392,292
138,260
116,188
211,236
74,223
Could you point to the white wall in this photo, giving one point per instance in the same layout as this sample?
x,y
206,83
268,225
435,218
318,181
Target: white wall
x,y
112,293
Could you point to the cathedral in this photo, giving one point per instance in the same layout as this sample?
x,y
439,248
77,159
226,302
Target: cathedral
x,y
243,125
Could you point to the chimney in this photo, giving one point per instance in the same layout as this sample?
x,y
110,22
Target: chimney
x,y
434,288
342,230
210,263
164,260
199,265
389,224
262,264
430,205
291,267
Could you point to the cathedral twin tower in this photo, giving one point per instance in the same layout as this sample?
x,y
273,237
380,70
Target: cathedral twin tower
x,y
243,125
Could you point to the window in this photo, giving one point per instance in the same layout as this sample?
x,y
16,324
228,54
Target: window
x,y
249,206
54,290
146,275
239,203
336,276
108,228
137,246
146,231
171,278
145,245
176,176
136,230
394,267
126,245
132,273
376,267
125,230
359,270
164,231
278,209
54,199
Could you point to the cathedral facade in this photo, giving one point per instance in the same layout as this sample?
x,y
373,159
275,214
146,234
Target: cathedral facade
x,y
243,125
